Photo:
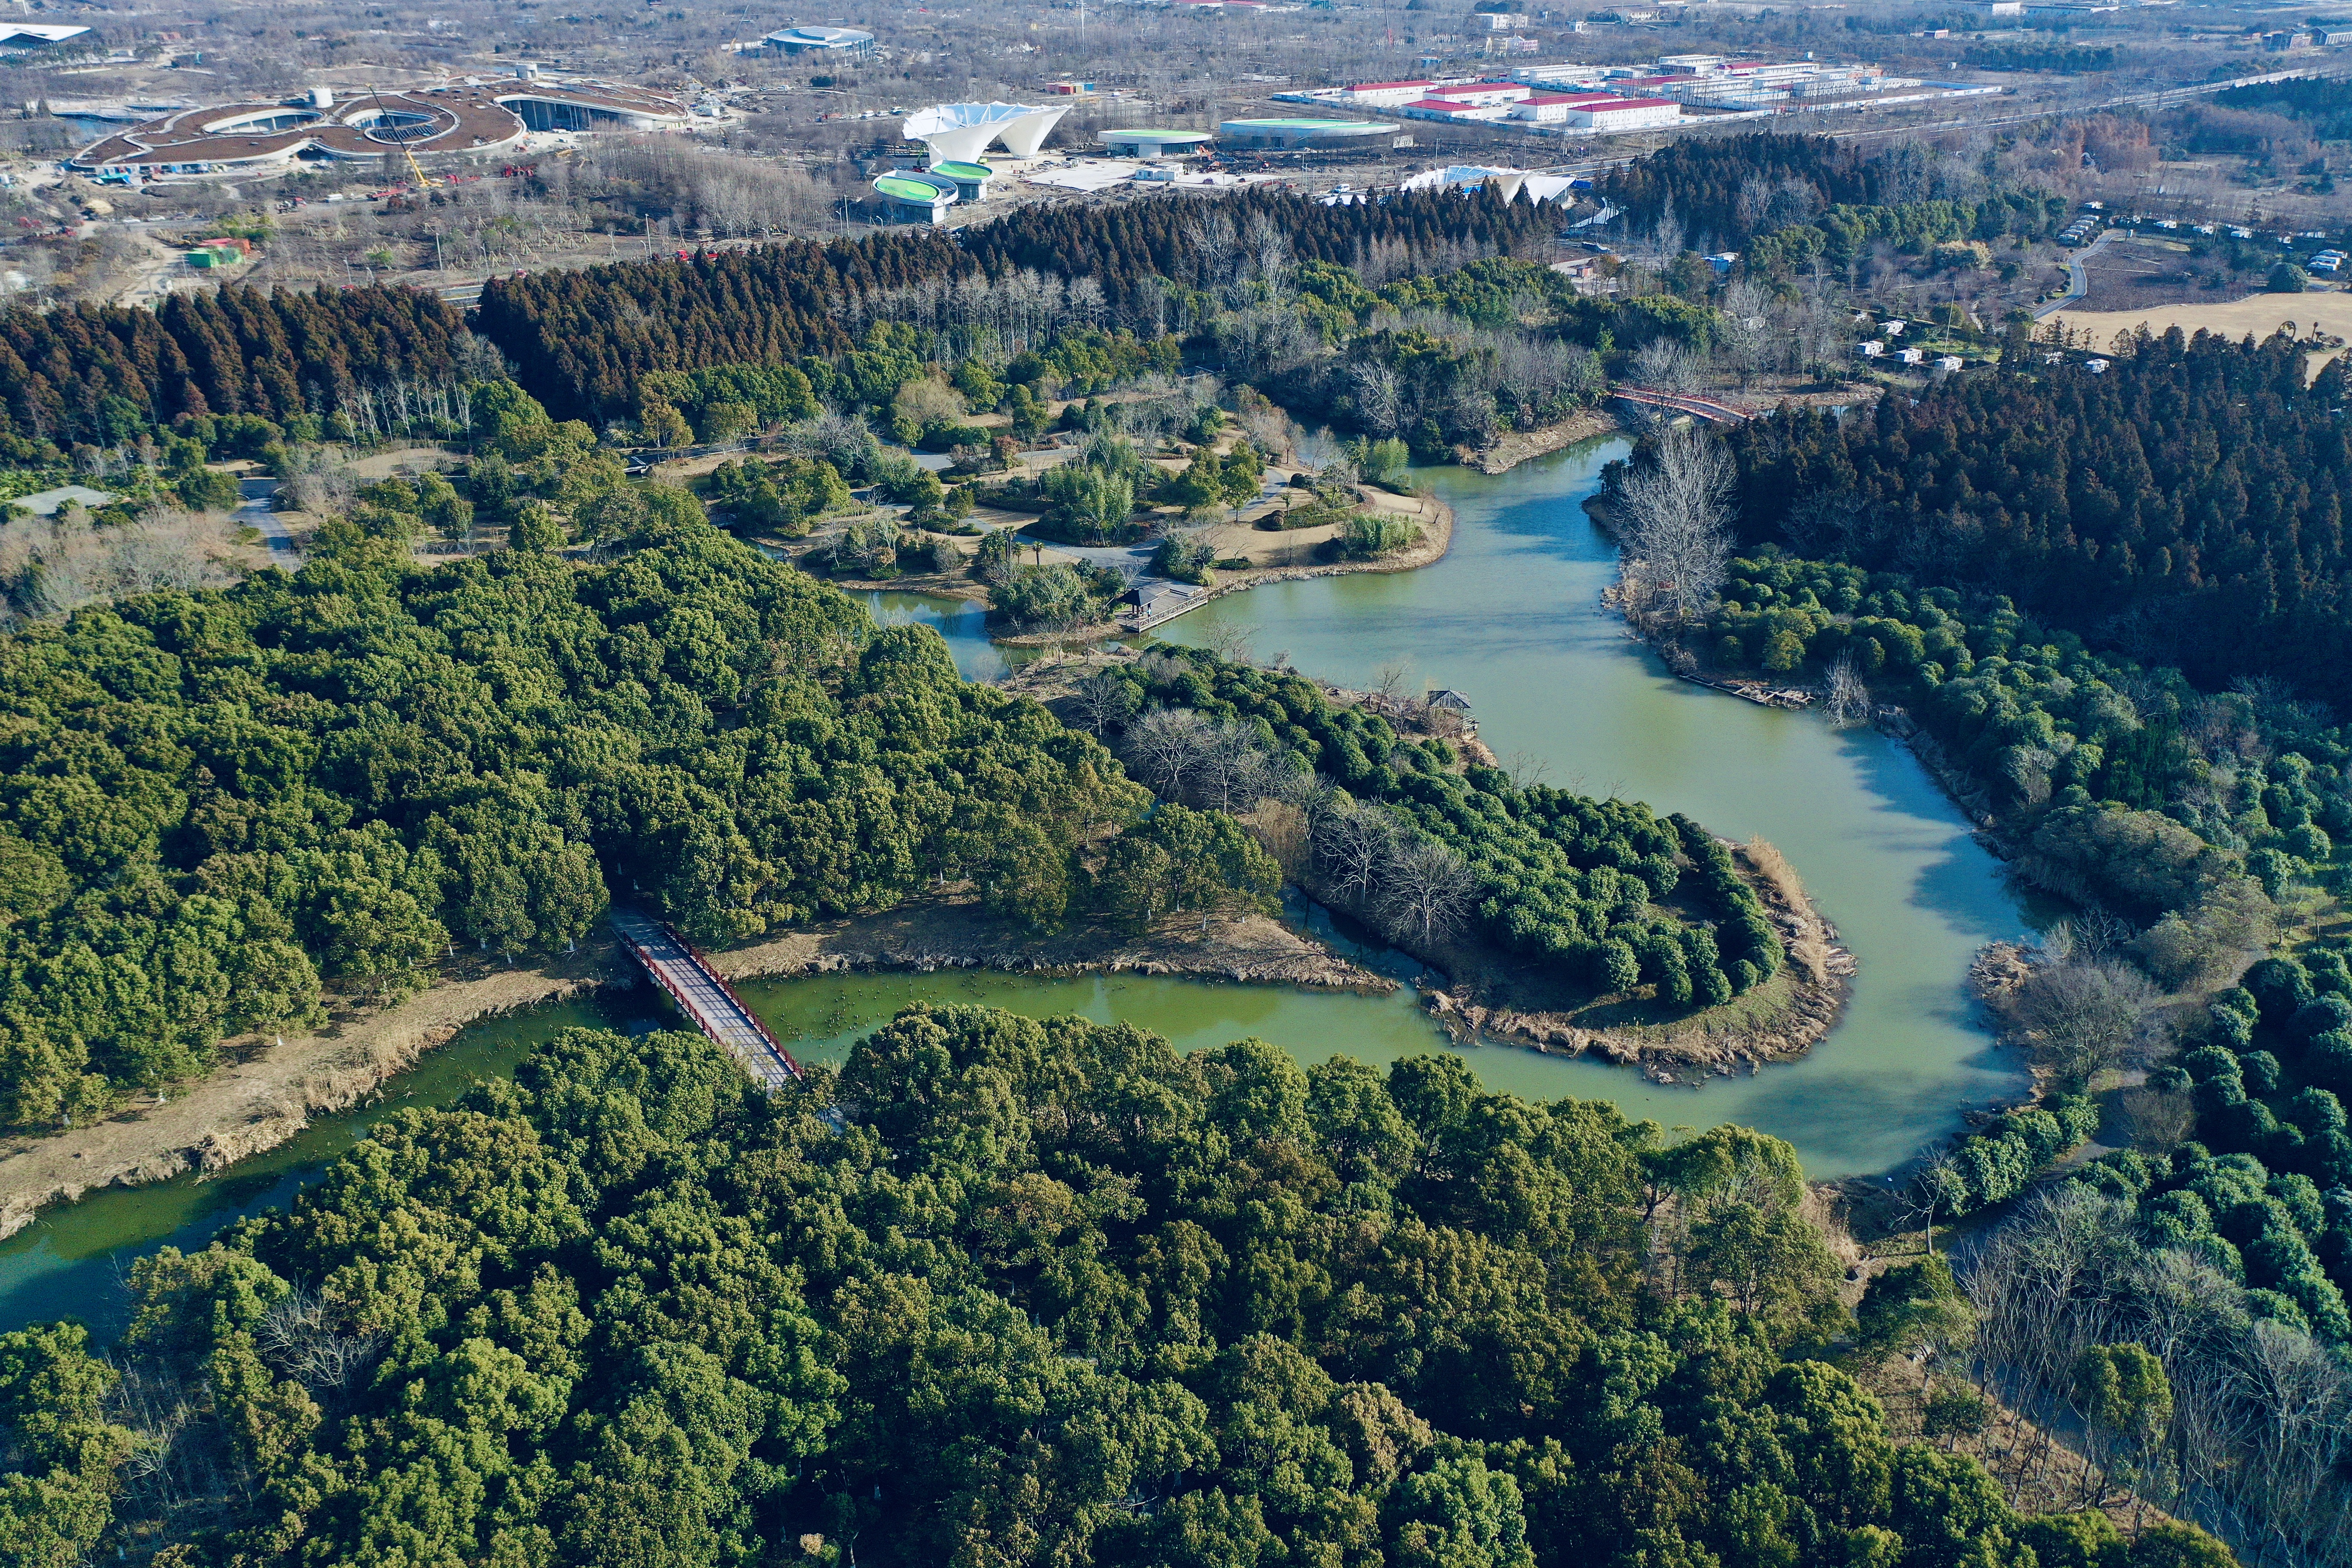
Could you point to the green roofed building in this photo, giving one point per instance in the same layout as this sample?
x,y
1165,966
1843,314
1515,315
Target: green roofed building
x,y
1292,133
916,198
971,179
1148,143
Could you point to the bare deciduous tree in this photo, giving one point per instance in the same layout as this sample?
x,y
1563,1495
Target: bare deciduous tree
x,y
1163,748
1230,640
53,567
1104,700
2158,1121
1849,698
1182,756
1428,892
1664,365
299,1337
1674,523
2080,1019
1379,406
1353,845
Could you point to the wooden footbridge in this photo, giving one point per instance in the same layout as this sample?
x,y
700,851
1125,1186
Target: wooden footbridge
x,y
1706,408
704,998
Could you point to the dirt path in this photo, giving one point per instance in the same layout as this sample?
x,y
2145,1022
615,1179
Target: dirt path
x,y
273,1090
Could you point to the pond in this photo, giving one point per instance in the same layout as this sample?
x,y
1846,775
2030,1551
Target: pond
x,y
1512,618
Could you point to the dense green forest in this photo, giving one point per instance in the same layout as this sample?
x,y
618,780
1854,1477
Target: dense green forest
x,y
2265,1193
216,806
1011,1292
2322,106
1574,884
2185,508
2199,787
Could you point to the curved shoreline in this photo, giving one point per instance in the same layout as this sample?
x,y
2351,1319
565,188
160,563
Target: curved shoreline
x,y
1434,515
271,1090
1483,993
1814,986
1509,451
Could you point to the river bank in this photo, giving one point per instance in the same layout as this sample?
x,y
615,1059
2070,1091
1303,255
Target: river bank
x,y
1511,448
1498,994
1512,617
273,1090
1778,1021
1280,563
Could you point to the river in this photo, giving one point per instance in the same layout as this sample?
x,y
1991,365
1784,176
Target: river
x,y
1511,618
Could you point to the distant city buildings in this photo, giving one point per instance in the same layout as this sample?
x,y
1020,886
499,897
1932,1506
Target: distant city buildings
x,y
425,122
962,131
29,38
1562,99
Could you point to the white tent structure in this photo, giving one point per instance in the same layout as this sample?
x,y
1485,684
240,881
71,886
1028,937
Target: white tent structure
x,y
1512,183
1468,177
956,132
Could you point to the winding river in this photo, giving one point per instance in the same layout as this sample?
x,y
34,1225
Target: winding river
x,y
1511,618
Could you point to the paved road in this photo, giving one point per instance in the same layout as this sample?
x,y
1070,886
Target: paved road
x,y
255,512
2078,282
704,998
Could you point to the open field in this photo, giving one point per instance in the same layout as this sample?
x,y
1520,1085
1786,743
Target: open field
x,y
2261,314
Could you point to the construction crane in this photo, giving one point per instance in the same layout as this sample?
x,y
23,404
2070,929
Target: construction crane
x,y
424,182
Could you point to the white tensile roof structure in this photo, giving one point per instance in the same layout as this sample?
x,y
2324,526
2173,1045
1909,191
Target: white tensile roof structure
x,y
956,132
1514,183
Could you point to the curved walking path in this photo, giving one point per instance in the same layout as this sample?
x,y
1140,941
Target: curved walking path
x,y
256,509
2078,282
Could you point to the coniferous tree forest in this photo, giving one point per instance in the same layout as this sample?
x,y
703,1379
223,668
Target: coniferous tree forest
x,y
103,375
582,339
2185,507
1740,187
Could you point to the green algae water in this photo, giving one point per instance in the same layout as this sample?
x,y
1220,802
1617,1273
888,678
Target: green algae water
x,y
1512,618
73,1259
